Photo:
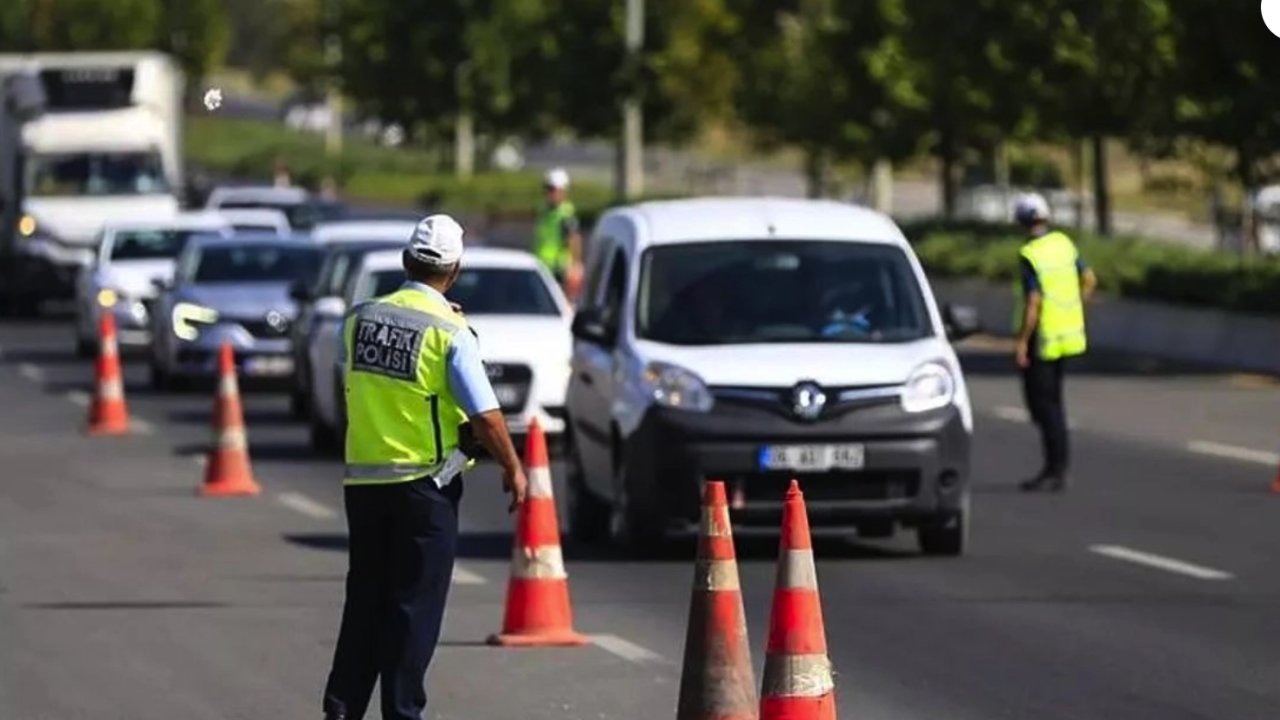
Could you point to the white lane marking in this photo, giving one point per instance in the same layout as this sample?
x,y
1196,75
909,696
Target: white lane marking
x,y
1234,452
78,397
31,372
625,649
142,427
1160,562
1014,414
305,505
463,576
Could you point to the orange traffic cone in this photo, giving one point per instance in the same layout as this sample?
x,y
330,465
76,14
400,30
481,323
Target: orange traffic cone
x,y
107,413
798,682
716,682
537,611
227,470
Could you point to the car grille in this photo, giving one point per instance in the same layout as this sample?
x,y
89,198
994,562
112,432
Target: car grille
x,y
512,383
260,328
840,400
867,485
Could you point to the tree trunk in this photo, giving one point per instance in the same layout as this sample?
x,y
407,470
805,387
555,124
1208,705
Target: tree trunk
x,y
1249,214
464,146
815,172
947,156
1079,181
1101,194
882,186
1000,164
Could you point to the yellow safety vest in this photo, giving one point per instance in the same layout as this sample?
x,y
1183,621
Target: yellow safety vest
x,y
1060,330
550,244
402,421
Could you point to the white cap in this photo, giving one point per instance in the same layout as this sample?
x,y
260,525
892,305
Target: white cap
x,y
1030,208
437,240
556,178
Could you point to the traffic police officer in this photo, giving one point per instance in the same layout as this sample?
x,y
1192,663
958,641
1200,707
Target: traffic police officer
x,y
557,240
416,390
1055,283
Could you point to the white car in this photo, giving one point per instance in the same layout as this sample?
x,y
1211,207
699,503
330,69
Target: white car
x,y
754,341
256,220
130,257
518,312
302,209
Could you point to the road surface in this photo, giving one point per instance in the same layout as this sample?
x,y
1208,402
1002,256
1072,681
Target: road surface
x,y
1149,592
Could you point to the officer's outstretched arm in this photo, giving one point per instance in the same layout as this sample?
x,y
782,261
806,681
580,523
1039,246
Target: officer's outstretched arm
x,y
490,430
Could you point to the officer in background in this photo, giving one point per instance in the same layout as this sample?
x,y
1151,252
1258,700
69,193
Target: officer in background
x,y
416,391
1055,283
557,239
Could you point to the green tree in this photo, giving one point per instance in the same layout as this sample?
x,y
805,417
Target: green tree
x,y
196,33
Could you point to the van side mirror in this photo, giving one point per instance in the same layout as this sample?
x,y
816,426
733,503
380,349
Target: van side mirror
x,y
160,284
590,325
961,321
330,307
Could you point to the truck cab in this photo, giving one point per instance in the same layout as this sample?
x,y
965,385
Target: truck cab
x,y
106,148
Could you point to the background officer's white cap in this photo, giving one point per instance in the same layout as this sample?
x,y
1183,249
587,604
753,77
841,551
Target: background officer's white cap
x,y
556,178
437,240
1030,208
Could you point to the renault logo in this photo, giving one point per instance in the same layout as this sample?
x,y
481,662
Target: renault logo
x,y
276,320
807,400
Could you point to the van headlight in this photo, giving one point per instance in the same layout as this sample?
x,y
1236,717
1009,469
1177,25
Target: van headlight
x,y
186,315
930,386
675,387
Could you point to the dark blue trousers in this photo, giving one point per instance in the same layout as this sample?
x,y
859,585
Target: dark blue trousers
x,y
403,538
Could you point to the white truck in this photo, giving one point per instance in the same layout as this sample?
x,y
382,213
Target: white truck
x,y
107,146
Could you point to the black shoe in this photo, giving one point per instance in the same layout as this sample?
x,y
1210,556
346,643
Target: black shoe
x,y
1058,483
1034,484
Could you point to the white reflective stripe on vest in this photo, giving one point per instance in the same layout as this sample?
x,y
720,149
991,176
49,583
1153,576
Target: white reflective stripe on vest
x,y
388,471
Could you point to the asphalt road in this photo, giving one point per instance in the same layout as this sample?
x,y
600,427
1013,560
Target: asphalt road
x,y
1149,592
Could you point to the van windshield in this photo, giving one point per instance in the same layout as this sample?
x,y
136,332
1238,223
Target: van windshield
x,y
789,291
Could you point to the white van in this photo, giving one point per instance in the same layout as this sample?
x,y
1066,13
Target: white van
x,y
753,341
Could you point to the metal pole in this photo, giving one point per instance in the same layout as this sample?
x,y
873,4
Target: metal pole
x,y
333,61
631,160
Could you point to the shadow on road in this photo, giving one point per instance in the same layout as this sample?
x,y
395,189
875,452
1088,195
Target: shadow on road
x,y
1096,362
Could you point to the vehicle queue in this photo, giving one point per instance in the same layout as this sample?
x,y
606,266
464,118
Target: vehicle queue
x,y
743,340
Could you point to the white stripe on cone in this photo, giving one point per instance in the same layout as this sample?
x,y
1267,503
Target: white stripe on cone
x,y
111,390
540,563
797,571
716,575
539,482
227,386
232,439
715,522
798,676
109,347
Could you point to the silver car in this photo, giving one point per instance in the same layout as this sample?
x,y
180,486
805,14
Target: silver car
x,y
231,289
130,256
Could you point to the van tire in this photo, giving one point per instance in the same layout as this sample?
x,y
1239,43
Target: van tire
x,y
588,514
946,536
631,527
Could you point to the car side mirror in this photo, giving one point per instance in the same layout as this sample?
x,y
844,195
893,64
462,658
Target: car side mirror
x,y
330,307
299,292
590,324
961,321
161,284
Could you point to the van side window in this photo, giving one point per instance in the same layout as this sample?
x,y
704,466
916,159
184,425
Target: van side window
x,y
595,273
616,289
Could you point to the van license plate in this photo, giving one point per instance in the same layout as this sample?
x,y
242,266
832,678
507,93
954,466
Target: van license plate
x,y
811,458
269,365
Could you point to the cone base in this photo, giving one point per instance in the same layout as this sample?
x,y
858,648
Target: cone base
x,y
226,489
557,638
105,430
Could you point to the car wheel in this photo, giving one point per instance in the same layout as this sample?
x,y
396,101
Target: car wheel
x,y
86,348
947,535
160,378
323,439
631,526
298,405
588,514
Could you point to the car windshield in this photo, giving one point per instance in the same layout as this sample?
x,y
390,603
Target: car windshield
x,y
255,263
793,291
148,244
481,291
301,216
98,173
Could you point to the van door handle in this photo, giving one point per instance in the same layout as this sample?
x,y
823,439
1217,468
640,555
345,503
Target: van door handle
x,y
585,378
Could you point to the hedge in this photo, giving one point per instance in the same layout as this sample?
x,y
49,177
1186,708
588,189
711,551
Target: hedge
x,y
1126,266
365,171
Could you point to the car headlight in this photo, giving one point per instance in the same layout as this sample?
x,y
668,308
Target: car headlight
x,y
930,386
27,226
186,314
107,297
675,387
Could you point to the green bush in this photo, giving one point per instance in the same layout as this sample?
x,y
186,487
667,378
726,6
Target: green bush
x,y
1128,267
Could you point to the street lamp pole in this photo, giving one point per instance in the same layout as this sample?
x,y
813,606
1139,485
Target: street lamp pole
x,y
630,174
